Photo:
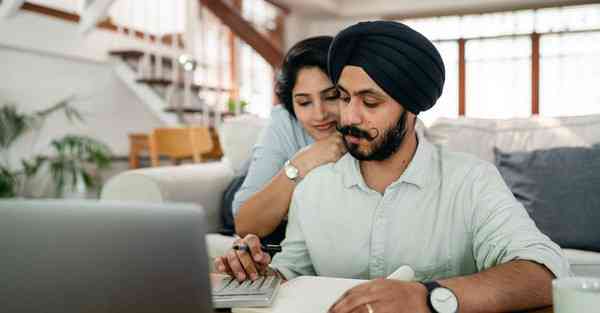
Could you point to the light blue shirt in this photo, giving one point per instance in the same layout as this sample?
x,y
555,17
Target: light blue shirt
x,y
449,214
279,142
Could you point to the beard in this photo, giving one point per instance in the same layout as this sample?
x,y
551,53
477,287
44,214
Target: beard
x,y
381,147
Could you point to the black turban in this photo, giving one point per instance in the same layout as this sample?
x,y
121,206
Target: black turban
x,y
404,63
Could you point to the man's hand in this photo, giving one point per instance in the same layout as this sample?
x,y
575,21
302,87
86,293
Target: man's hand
x,y
383,296
244,265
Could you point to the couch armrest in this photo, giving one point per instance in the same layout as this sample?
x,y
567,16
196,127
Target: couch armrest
x,y
203,184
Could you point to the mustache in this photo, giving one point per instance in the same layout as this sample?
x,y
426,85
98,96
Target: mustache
x,y
357,132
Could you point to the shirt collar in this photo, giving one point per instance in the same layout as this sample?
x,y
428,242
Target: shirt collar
x,y
416,173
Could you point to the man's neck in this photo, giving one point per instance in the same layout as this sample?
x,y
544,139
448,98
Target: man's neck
x,y
378,175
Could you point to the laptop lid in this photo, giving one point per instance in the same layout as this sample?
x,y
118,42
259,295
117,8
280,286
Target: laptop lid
x,y
90,256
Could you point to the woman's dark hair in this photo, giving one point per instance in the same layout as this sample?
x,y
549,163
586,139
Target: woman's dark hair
x,y
310,52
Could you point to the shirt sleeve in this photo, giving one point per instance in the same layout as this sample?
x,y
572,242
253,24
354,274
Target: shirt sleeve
x,y
268,157
294,259
503,231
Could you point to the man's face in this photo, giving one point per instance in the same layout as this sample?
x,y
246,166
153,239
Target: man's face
x,y
372,122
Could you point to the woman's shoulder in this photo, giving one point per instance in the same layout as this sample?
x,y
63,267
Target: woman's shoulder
x,y
281,116
287,127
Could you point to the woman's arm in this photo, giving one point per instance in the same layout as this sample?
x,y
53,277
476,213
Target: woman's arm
x,y
262,212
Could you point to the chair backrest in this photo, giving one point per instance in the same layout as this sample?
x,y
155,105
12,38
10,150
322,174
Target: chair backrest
x,y
178,143
201,140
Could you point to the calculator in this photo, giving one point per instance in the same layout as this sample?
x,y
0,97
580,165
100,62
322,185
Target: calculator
x,y
227,292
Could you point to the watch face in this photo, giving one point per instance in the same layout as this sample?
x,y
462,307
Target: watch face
x,y
290,171
443,300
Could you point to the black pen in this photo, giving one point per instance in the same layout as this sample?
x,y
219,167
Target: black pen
x,y
264,248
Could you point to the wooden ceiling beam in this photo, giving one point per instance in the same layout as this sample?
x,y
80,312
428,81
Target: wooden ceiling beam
x,y
245,31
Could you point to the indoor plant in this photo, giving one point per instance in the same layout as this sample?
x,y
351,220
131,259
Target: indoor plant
x,y
75,158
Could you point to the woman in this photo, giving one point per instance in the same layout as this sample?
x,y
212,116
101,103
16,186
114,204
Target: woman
x,y
302,131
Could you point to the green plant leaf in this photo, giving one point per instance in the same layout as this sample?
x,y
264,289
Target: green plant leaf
x,y
12,125
30,168
72,153
8,183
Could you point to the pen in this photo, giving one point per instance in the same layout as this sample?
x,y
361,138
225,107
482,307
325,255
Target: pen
x,y
264,248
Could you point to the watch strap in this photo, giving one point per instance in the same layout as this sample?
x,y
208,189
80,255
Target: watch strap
x,y
430,286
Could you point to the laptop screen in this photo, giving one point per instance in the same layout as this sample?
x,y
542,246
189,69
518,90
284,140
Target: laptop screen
x,y
94,256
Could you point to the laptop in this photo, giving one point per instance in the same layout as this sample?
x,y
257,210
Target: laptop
x,y
89,256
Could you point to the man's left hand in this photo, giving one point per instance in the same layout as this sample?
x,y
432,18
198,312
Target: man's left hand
x,y
383,296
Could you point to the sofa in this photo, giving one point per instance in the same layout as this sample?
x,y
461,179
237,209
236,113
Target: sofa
x,y
204,183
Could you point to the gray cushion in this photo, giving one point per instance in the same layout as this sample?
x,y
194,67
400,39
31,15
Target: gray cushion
x,y
560,188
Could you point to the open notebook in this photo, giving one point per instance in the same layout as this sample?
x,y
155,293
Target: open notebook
x,y
315,294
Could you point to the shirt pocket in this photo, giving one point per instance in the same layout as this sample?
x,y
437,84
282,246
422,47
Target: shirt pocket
x,y
433,271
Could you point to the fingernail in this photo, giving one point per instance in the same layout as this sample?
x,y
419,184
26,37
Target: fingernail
x,y
241,276
221,268
253,276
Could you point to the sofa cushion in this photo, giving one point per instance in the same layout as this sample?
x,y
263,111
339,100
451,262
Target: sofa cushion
x,y
195,183
583,263
559,189
237,136
479,136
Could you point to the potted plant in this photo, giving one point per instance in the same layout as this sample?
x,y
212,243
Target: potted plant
x,y
73,165
232,106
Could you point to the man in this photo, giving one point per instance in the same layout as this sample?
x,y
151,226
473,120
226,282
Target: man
x,y
396,199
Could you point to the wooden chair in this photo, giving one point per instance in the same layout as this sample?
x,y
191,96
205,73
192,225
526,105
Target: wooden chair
x,y
179,143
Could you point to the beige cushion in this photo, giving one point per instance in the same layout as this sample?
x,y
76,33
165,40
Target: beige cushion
x,y
237,137
480,136
196,183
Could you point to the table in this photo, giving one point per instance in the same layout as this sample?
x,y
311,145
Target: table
x,y
215,277
546,310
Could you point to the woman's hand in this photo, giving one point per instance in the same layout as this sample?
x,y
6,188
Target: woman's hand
x,y
325,151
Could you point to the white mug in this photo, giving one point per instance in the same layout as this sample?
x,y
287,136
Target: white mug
x,y
576,294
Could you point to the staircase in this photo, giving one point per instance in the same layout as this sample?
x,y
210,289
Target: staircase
x,y
166,96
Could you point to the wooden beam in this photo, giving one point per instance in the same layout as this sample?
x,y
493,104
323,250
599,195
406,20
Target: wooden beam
x,y
245,31
93,13
233,58
9,8
535,74
59,14
462,95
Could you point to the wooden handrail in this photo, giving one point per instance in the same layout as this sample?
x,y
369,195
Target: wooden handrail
x,y
245,31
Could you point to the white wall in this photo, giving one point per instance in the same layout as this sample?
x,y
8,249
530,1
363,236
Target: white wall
x,y
44,60
35,81
299,26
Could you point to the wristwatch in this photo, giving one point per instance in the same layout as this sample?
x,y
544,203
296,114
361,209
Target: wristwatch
x,y
291,171
440,299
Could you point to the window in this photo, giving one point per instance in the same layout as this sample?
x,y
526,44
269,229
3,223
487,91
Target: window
x,y
447,105
498,80
256,75
570,74
498,62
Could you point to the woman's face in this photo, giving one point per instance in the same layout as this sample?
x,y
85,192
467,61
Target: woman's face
x,y
315,102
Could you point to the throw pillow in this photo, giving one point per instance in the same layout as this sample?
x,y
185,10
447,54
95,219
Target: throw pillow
x,y
560,188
